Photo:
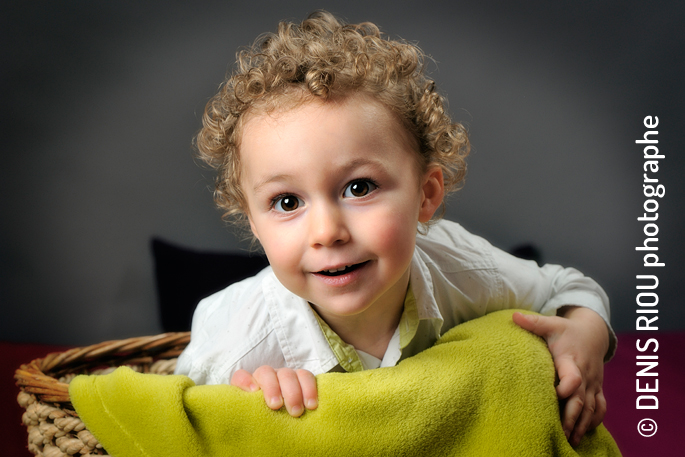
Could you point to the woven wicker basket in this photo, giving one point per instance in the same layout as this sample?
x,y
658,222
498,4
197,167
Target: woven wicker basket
x,y
54,428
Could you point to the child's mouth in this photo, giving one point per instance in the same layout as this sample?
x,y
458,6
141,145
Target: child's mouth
x,y
341,271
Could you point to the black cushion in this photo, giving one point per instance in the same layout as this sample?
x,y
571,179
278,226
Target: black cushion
x,y
184,276
527,252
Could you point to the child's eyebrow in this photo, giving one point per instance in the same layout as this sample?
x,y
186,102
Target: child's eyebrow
x,y
274,178
343,169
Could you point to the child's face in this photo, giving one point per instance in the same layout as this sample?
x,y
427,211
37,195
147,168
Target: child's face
x,y
336,186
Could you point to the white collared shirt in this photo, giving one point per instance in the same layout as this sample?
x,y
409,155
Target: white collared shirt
x,y
455,276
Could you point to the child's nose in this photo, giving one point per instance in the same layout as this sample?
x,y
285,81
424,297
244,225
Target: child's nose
x,y
327,226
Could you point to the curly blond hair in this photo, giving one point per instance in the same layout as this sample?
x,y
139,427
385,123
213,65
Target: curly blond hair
x,y
325,58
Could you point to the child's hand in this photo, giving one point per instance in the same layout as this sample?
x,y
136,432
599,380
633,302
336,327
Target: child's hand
x,y
578,342
296,387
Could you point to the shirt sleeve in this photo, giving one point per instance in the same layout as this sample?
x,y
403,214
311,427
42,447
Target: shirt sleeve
x,y
548,288
491,279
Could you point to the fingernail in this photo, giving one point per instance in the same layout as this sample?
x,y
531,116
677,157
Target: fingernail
x,y
296,410
312,404
275,402
254,387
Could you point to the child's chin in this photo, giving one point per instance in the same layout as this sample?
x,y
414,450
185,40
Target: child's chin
x,y
340,306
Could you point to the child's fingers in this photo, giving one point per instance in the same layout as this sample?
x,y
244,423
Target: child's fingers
x,y
291,390
572,410
570,378
525,321
544,326
600,410
295,389
309,391
590,418
245,381
268,381
584,420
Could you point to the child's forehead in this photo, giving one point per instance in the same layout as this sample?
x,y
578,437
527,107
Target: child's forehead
x,y
308,109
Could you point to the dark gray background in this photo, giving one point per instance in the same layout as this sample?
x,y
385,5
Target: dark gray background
x,y
100,101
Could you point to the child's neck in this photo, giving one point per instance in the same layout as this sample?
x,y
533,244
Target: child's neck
x,y
373,339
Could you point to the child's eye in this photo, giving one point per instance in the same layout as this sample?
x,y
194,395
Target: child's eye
x,y
359,188
286,203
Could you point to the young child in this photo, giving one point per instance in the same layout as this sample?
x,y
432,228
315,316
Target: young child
x,y
332,144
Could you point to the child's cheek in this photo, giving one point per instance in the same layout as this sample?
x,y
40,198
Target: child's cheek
x,y
281,249
394,234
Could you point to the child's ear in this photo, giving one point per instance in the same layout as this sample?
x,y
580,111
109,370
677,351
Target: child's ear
x,y
433,192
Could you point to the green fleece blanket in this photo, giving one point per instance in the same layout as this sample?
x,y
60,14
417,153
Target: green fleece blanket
x,y
485,389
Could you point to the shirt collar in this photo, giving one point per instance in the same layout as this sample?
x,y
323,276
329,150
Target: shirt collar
x,y
422,289
347,356
345,353
300,339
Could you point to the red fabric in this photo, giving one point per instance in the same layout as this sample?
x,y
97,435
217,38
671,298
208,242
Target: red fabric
x,y
622,416
13,435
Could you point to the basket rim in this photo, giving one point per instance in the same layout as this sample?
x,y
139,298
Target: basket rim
x,y
39,377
